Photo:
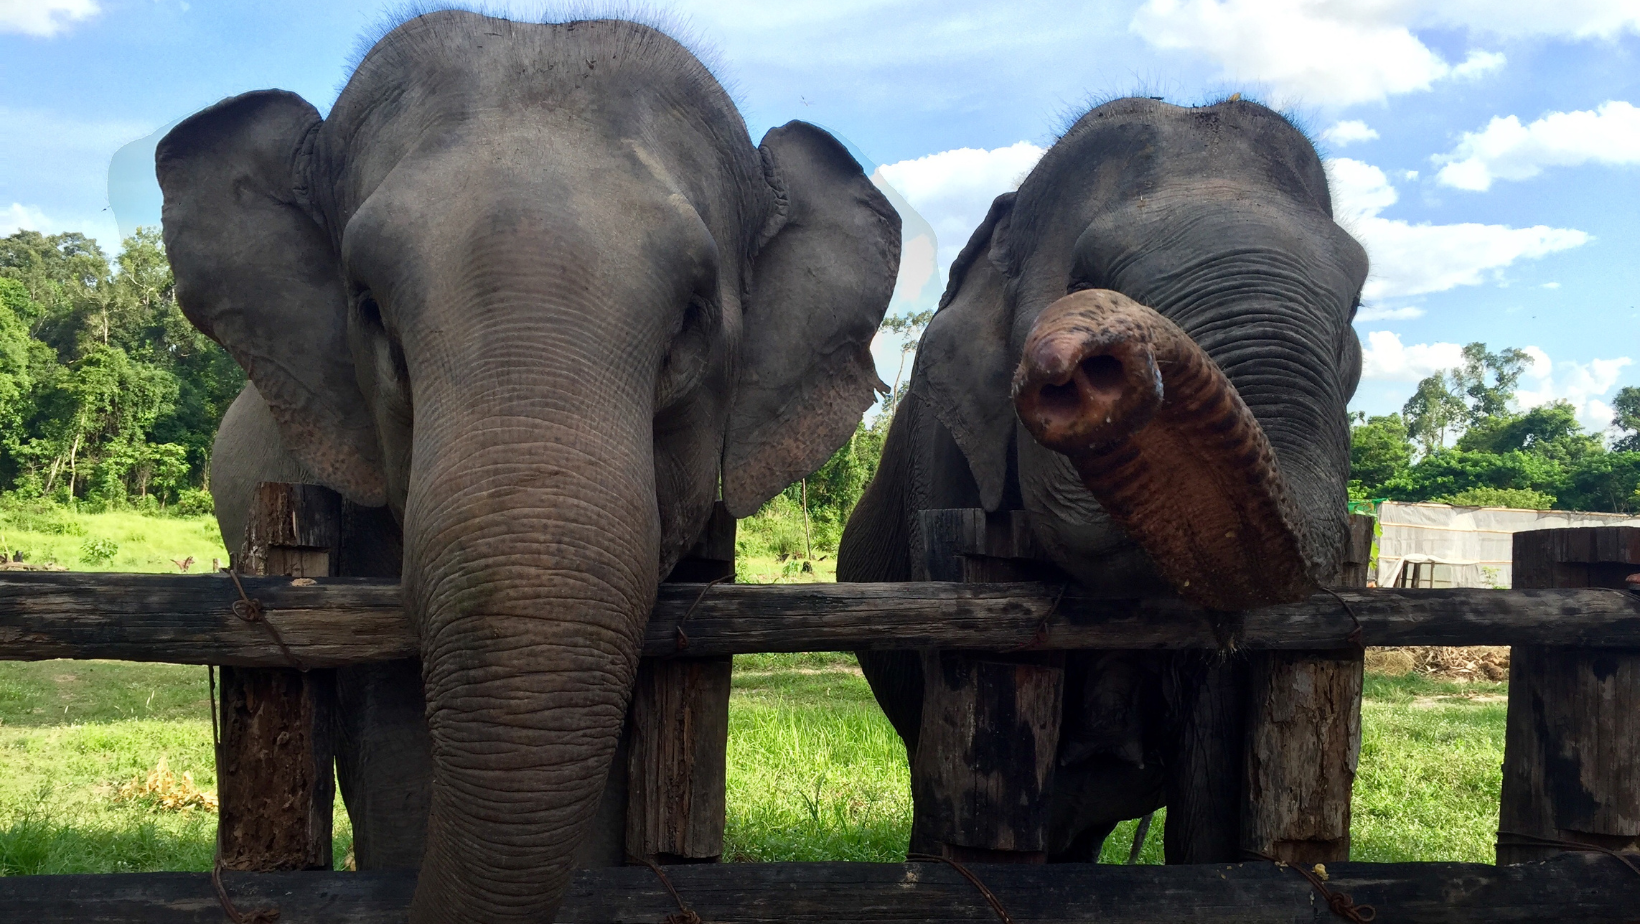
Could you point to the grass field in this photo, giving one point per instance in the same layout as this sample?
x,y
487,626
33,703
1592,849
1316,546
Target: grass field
x,y
815,771
117,541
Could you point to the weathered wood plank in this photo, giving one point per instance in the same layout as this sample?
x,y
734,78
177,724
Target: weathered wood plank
x,y
1571,761
1589,889
1304,737
185,619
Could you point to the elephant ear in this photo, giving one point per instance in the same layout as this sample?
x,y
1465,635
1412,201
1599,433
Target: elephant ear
x,y
964,362
257,274
820,286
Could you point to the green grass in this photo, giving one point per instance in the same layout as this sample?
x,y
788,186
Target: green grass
x,y
815,771
141,542
1430,775
70,733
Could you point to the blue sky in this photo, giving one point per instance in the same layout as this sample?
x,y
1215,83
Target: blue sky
x,y
1486,152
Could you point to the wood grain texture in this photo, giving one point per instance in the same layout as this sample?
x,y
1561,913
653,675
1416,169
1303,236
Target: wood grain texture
x,y
1304,737
1571,766
678,733
1583,888
185,619
986,754
679,721
276,776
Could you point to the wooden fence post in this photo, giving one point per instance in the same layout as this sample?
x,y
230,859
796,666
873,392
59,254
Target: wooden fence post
x,y
984,765
1304,738
678,732
1571,761
275,779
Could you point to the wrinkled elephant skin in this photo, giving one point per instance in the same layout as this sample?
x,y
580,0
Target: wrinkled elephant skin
x,y
532,288
1148,348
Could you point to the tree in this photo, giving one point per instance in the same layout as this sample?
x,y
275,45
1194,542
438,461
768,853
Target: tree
x,y
1432,413
106,391
1504,367
1626,419
1380,451
1548,430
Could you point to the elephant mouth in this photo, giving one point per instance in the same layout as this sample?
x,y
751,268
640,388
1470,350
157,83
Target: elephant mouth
x,y
1166,445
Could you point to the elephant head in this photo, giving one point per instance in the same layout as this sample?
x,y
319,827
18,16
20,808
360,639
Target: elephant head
x,y
532,287
1154,334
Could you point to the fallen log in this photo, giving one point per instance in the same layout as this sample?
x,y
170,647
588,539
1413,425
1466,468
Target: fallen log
x,y
328,622
1587,888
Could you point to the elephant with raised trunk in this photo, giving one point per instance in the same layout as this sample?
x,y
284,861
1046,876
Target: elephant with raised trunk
x,y
532,288
1148,348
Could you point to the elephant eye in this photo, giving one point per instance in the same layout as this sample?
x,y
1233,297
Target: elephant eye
x,y
369,312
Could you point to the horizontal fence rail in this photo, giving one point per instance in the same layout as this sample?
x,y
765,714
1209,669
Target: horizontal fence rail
x,y
1588,889
329,622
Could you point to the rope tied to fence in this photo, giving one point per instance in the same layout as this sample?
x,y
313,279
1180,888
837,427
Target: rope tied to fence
x,y
684,914
1339,903
1534,840
1355,636
683,638
249,609
990,897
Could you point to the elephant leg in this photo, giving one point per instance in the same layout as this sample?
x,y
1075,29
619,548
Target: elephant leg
x,y
384,761
1087,845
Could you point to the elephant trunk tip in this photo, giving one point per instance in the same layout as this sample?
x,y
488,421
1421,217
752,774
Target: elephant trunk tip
x,y
1088,375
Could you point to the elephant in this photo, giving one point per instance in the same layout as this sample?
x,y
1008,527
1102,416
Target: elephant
x,y
530,290
1148,349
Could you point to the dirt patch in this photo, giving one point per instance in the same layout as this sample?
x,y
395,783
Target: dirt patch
x,y
1478,662
1453,699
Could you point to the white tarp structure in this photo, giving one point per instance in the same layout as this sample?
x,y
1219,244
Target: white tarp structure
x,y
1439,545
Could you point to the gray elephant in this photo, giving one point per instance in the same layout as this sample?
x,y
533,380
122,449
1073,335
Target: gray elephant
x,y
1148,348
533,289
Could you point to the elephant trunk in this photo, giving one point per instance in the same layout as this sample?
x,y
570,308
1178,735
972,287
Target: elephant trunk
x,y
1161,438
531,549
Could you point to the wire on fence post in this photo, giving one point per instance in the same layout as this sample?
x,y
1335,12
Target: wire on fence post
x,y
684,914
990,897
1339,903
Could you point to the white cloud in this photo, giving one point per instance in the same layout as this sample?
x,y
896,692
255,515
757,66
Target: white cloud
x,y
1328,53
21,217
1334,52
1349,131
1507,150
1581,384
1415,259
1378,313
953,189
1479,64
1385,358
44,18
1550,285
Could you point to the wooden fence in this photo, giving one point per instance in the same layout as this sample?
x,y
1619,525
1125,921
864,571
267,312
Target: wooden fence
x,y
1286,722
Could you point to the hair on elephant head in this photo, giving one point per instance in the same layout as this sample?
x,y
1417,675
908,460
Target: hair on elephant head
x,y
533,287
1156,328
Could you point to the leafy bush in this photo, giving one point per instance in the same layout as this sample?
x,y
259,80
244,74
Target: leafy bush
x,y
98,551
38,517
194,502
1522,498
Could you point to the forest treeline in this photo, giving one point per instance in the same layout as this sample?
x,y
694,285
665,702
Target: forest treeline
x,y
108,397
1461,439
